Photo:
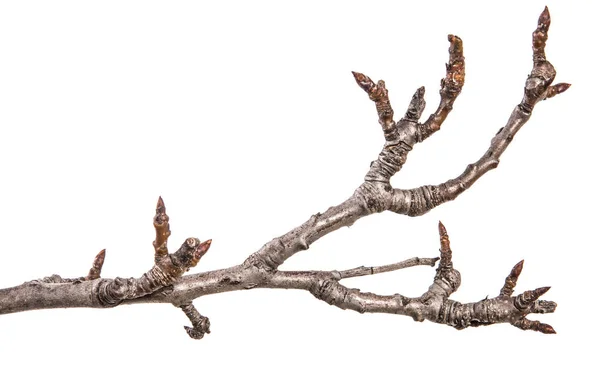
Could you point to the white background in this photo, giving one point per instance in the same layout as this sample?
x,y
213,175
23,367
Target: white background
x,y
244,116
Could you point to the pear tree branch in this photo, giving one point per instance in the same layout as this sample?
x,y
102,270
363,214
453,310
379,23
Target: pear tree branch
x,y
165,282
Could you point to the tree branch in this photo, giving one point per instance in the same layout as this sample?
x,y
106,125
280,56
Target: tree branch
x,y
165,283
434,305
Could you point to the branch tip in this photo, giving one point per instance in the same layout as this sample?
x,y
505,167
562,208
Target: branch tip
x,y
190,253
363,81
544,19
559,88
534,325
527,299
540,36
511,280
517,269
161,225
456,47
96,269
547,329
203,248
442,229
445,251
455,69
160,205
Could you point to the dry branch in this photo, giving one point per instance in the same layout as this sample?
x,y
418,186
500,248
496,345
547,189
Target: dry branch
x,y
165,283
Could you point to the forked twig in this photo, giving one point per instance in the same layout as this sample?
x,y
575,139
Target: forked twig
x,y
165,281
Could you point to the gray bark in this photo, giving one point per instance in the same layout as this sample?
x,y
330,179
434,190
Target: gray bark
x,y
165,282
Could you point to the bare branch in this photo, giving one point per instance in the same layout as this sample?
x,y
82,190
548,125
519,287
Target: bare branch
x,y
434,305
418,201
165,283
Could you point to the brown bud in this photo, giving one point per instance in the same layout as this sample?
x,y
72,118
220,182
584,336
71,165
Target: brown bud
x,y
364,82
160,206
96,269
511,280
546,328
534,325
525,300
544,20
559,88
199,252
161,225
445,252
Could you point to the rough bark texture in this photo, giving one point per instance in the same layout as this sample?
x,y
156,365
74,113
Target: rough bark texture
x,y
165,283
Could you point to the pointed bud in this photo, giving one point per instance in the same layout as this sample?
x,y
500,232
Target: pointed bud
x,y
546,329
540,36
203,248
161,225
199,252
446,253
562,87
534,325
442,230
511,280
537,293
525,300
161,216
559,88
160,206
363,81
544,20
96,269
517,269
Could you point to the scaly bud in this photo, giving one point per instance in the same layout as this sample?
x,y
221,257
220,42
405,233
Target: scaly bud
x,y
96,266
161,225
511,280
525,300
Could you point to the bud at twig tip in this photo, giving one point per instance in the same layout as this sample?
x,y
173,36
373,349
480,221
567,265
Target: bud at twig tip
x,y
204,246
544,20
562,87
442,230
542,291
160,206
516,271
96,269
547,329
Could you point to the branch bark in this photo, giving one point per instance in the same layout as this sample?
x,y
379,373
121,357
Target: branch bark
x,y
165,281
